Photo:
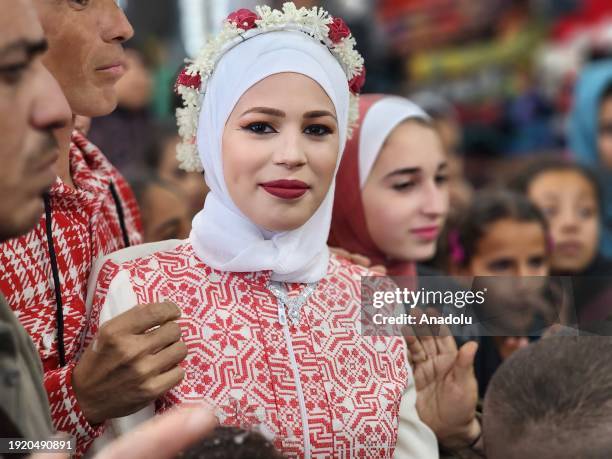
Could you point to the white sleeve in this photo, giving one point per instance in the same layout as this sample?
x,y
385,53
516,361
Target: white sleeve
x,y
120,298
415,440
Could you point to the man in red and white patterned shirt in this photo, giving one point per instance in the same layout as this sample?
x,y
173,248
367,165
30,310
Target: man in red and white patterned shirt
x,y
89,212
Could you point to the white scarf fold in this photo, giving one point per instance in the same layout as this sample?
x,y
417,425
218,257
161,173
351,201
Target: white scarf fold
x,y
382,118
222,236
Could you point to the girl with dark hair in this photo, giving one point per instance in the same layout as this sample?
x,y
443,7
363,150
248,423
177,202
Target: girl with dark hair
x,y
503,237
569,195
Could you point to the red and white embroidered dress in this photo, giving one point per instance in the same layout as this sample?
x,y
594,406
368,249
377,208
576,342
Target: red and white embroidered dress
x,y
85,226
320,388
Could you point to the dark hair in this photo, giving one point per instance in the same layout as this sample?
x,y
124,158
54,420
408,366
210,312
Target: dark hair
x,y
488,207
552,399
525,178
232,443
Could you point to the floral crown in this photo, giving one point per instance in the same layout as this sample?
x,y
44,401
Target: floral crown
x,y
242,24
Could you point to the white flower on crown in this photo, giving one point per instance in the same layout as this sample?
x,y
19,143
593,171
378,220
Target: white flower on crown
x,y
243,24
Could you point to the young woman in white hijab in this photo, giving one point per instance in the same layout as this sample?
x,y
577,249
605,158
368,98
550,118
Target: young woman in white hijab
x,y
270,319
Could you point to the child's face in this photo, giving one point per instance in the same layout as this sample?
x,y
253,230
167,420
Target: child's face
x,y
604,137
405,197
191,184
511,248
570,204
280,148
164,215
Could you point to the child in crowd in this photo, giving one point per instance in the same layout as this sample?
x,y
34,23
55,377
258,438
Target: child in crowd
x,y
160,157
569,196
552,400
502,234
590,135
163,208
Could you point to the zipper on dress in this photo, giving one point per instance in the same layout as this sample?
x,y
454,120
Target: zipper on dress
x,y
282,317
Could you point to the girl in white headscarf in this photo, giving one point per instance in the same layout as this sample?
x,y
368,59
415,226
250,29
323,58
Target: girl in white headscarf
x,y
269,317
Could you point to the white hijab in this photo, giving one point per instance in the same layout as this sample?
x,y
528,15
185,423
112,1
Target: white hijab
x,y
222,236
380,120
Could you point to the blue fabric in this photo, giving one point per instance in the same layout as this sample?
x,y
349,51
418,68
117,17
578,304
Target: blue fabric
x,y
582,137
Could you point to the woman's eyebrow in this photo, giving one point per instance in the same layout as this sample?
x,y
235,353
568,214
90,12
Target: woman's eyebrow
x,y
319,113
406,170
266,111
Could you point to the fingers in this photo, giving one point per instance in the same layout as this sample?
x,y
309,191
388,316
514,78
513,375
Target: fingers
x,y
169,357
416,351
353,257
340,252
360,260
443,337
164,437
143,317
464,367
379,269
162,337
162,383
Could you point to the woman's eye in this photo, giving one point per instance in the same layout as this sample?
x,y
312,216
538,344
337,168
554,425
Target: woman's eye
x,y
317,130
260,128
12,74
442,179
549,211
404,186
79,4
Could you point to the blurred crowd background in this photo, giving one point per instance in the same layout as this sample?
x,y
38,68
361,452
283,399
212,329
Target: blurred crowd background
x,y
497,75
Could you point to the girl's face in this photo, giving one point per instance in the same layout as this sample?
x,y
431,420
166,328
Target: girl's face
x,y
604,137
280,148
515,252
569,202
511,248
405,197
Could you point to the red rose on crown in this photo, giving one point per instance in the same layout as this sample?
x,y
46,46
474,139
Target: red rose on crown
x,y
338,30
243,19
191,81
357,82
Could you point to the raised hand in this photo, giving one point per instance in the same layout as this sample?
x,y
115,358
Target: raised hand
x,y
134,360
447,390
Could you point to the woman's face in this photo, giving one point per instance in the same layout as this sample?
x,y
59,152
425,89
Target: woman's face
x,y
405,197
569,202
604,136
280,148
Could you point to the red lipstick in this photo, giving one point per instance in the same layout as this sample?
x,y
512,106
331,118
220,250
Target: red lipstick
x,y
286,189
427,233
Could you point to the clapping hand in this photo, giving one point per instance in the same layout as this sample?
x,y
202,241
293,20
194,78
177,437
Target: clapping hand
x,y
447,390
